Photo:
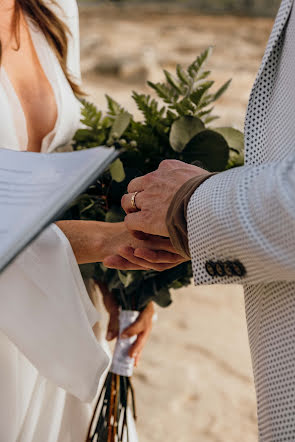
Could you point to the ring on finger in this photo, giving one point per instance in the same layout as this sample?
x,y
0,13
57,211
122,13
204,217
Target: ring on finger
x,y
133,202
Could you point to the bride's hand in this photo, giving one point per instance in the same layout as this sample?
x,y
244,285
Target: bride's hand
x,y
141,258
153,253
141,327
116,247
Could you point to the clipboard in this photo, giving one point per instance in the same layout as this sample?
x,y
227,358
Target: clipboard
x,y
36,188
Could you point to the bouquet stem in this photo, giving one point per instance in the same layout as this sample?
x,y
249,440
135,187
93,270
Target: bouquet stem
x,y
110,418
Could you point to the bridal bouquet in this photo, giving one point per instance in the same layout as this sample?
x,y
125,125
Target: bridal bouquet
x,y
176,124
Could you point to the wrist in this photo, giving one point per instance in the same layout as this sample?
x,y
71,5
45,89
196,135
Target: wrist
x,y
108,238
176,219
91,241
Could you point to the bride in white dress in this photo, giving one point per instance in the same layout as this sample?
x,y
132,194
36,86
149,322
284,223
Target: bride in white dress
x,y
51,362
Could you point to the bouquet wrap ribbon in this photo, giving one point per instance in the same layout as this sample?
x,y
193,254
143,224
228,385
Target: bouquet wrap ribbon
x,y
122,364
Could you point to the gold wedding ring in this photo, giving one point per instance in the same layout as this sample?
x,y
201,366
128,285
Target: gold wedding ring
x,y
133,202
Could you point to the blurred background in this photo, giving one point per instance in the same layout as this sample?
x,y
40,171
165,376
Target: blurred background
x,y
194,382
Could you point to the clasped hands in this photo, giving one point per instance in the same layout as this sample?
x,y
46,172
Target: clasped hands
x,y
146,205
140,243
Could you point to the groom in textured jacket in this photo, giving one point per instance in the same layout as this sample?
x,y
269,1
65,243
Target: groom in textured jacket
x,y
239,226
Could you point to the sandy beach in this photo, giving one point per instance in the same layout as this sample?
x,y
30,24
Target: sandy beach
x,y
194,382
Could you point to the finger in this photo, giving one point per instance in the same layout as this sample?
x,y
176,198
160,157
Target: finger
x,y
127,204
145,221
158,256
170,164
137,359
159,243
176,164
139,221
154,241
109,299
138,184
113,328
137,347
128,254
140,235
134,329
142,323
119,263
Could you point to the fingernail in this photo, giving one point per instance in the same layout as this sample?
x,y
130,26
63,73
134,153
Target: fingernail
x,y
124,336
109,336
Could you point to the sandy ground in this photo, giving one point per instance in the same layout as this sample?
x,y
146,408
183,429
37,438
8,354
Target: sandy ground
x,y
195,381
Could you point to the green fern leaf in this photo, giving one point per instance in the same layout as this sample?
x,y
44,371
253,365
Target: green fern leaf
x,y
169,77
182,75
221,91
195,67
114,108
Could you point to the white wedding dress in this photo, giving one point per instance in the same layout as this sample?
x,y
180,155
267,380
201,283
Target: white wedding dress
x,y
51,362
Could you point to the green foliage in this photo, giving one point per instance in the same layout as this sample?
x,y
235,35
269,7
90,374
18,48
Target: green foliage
x,y
209,148
117,171
235,140
175,125
120,124
187,92
149,108
183,130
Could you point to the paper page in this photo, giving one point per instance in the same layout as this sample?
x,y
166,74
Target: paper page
x,y
35,188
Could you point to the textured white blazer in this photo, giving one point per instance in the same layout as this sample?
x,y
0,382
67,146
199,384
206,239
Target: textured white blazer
x,y
241,226
48,350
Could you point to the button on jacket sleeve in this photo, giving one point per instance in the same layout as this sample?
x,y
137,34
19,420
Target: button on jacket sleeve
x,y
244,219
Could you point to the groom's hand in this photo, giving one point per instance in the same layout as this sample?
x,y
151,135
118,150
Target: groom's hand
x,y
149,197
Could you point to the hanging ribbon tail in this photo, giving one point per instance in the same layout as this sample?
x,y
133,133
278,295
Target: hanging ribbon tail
x,y
113,420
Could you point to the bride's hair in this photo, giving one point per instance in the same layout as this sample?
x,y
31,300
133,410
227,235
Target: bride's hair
x,y
54,29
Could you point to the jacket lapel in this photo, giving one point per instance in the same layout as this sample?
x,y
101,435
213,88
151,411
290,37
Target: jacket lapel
x,y
257,105
280,22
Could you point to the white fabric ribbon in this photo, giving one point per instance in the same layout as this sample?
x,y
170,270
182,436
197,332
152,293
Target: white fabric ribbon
x,y
122,364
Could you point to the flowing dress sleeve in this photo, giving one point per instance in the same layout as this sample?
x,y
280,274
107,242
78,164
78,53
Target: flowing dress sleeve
x,y
46,312
44,306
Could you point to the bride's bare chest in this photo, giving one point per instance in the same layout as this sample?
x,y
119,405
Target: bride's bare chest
x,y
32,88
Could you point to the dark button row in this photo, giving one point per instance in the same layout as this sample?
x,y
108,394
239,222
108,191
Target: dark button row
x,y
225,268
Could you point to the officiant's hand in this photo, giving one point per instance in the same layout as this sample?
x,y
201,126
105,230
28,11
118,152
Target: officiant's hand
x,y
149,197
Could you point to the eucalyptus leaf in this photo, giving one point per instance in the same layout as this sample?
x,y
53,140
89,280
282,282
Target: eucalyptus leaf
x,y
163,298
210,148
233,137
183,130
119,126
117,171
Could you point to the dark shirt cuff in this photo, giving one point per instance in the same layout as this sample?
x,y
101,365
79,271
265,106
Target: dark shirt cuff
x,y
176,219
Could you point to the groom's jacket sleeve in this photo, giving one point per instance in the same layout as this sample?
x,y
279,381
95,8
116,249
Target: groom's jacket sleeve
x,y
241,225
